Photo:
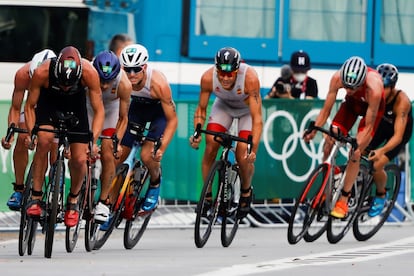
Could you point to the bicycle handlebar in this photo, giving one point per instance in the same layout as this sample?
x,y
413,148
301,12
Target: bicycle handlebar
x,y
138,131
224,139
339,137
13,129
115,142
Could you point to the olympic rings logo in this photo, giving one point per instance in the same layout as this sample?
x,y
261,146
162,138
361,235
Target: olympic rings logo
x,y
291,143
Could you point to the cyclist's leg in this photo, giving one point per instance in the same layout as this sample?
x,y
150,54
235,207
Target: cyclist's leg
x,y
20,160
108,172
246,167
40,159
380,179
77,168
153,163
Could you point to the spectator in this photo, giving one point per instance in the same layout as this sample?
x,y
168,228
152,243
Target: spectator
x,y
282,86
303,86
119,42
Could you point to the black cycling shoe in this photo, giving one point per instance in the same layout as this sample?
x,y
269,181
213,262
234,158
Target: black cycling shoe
x,y
244,203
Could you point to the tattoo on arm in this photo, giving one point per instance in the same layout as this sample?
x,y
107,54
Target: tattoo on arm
x,y
199,117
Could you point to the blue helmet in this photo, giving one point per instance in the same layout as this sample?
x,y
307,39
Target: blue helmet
x,y
389,74
107,64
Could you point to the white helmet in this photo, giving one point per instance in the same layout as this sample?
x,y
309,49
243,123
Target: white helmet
x,y
39,58
134,55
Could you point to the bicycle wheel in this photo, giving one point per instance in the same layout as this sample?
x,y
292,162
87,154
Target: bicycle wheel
x,y
27,225
230,222
135,227
337,228
52,204
88,215
365,226
207,210
72,233
308,220
101,235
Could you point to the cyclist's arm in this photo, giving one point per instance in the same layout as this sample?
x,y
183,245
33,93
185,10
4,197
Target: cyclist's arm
x,y
163,92
206,88
21,83
39,79
334,85
252,88
401,109
91,80
374,97
124,92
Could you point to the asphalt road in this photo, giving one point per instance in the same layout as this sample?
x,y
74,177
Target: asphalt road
x,y
255,251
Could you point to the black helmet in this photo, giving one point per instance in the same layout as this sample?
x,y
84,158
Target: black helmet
x,y
68,69
353,72
389,74
227,59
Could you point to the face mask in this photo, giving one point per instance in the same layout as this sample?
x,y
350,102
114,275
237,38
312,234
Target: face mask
x,y
299,77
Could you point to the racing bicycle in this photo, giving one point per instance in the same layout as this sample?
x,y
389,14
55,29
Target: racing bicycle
x,y
310,215
364,226
54,190
127,193
221,191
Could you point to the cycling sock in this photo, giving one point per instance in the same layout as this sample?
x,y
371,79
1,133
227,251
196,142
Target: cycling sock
x,y
18,187
345,194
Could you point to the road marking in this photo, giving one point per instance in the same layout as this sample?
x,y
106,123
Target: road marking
x,y
360,254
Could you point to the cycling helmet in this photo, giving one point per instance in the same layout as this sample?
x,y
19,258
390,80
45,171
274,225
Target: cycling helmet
x,y
68,69
38,58
353,72
227,59
107,64
389,74
134,55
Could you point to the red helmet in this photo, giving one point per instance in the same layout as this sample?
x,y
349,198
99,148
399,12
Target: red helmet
x,y
68,69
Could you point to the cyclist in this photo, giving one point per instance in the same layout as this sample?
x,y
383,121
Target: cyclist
x,y
151,102
237,90
116,91
59,85
394,131
16,117
364,97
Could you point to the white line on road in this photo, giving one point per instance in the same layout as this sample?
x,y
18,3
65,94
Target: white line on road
x,y
359,254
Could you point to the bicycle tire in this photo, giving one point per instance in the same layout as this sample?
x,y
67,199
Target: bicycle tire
x,y
25,228
89,213
230,222
32,236
366,227
117,183
135,227
72,233
306,210
52,203
202,232
338,228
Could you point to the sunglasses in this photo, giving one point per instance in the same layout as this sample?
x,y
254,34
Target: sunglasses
x,y
226,73
136,69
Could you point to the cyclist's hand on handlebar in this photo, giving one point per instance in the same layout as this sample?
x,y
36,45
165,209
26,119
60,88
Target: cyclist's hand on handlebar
x,y
118,152
195,142
157,156
251,158
308,135
95,151
5,144
30,144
